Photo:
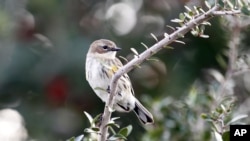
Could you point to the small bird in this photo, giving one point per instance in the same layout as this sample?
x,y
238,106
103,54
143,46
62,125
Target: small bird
x,y
101,65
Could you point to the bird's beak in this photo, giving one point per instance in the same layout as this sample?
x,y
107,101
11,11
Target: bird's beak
x,y
115,49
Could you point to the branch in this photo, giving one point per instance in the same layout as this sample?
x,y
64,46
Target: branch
x,y
240,72
232,57
232,12
148,53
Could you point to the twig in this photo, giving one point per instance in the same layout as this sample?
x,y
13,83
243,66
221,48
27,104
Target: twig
x,y
145,55
231,69
232,55
220,13
240,72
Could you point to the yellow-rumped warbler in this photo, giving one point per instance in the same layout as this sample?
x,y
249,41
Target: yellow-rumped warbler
x,y
101,65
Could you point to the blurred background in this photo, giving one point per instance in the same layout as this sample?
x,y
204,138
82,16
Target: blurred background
x,y
43,45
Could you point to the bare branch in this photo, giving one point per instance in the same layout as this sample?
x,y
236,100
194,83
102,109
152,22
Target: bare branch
x,y
148,53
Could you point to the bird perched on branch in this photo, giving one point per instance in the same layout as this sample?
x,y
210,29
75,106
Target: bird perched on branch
x,y
101,65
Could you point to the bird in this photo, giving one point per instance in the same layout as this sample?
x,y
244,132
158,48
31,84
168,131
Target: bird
x,y
101,65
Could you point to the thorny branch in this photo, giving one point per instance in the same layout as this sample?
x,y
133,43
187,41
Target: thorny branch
x,y
214,11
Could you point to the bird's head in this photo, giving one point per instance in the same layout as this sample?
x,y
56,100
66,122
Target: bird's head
x,y
103,48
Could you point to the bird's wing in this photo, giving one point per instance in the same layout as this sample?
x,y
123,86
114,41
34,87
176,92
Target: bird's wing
x,y
125,77
113,66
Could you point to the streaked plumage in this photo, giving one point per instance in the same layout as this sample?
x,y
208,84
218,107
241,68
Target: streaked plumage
x,y
101,64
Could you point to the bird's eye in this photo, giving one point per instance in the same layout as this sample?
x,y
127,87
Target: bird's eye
x,y
105,47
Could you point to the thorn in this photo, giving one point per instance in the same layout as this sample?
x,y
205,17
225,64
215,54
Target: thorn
x,y
172,28
207,5
138,66
144,45
168,47
152,59
154,37
204,36
123,58
134,51
188,16
181,42
187,8
200,9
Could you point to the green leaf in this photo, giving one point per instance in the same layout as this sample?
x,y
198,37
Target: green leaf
x,y
204,116
225,136
219,110
117,137
191,13
245,10
239,117
217,136
221,3
96,119
90,130
89,117
96,129
71,139
78,138
182,16
112,123
221,61
114,118
126,130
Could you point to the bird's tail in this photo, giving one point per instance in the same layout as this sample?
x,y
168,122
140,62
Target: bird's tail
x,y
143,114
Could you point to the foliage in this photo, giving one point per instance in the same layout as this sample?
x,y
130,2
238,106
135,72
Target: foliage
x,y
201,115
94,130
